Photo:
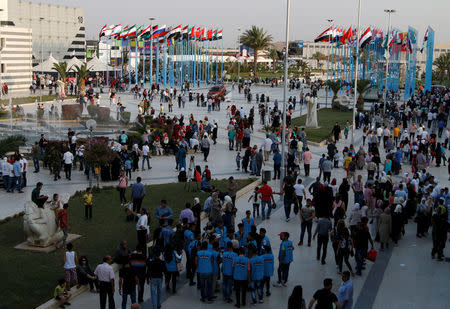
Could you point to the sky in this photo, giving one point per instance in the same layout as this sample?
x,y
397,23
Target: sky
x,y
307,18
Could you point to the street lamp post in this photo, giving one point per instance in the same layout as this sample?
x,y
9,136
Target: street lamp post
x,y
42,55
386,55
1,68
356,72
239,52
286,63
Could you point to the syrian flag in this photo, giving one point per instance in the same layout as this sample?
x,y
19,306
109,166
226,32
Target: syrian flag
x,y
144,32
325,36
174,32
365,38
347,36
161,32
185,32
425,39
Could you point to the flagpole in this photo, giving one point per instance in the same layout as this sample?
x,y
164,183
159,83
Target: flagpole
x,y
121,59
221,67
129,63
115,59
286,63
151,58
356,72
143,63
387,56
107,64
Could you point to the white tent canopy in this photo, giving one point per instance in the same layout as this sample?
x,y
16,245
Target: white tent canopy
x,y
46,66
96,65
72,63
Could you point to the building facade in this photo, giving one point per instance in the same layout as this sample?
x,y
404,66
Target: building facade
x,y
57,30
16,58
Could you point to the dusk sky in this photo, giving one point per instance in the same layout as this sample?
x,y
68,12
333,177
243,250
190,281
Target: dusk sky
x,y
308,18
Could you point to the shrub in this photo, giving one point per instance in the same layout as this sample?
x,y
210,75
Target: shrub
x,y
125,117
11,143
71,111
92,110
98,153
103,114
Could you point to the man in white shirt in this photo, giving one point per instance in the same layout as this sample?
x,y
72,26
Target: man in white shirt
x,y
300,192
105,275
24,165
146,156
68,160
267,146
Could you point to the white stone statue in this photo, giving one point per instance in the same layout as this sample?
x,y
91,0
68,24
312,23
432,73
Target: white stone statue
x,y
40,225
311,117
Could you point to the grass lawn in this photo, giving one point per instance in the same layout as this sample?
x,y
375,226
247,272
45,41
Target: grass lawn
x,y
31,99
326,118
29,277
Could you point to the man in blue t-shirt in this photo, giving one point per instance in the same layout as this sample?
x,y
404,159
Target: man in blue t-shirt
x,y
216,261
265,242
268,259
241,235
285,258
241,275
248,222
256,275
204,265
227,271
189,237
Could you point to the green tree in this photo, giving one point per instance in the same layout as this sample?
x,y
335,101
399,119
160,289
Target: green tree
x,y
82,73
61,68
318,56
273,54
364,85
303,67
442,64
256,38
335,86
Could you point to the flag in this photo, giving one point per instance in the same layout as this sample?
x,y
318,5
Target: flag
x,y
219,35
347,36
125,33
116,31
174,32
365,38
214,35
198,33
425,39
102,31
145,31
325,36
185,32
160,32
192,33
209,35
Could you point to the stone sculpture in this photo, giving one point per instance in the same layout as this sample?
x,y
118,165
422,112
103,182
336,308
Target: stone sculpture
x,y
40,225
311,117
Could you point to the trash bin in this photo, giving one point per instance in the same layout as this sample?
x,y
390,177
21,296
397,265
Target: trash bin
x,y
266,175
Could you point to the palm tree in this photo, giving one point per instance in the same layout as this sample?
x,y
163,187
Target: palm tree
x,y
82,73
364,85
442,64
318,56
61,68
256,38
302,67
273,54
335,86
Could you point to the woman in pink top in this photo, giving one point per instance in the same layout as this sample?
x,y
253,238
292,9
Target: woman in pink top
x,y
307,156
122,186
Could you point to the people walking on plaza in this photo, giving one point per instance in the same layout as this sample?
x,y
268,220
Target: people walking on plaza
x,y
345,292
306,157
155,271
324,297
285,258
122,186
128,280
88,203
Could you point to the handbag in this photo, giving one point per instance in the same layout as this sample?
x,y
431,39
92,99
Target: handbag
x,y
180,266
273,205
372,255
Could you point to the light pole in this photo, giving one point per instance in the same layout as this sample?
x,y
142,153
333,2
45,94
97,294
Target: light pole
x,y
1,68
42,55
387,55
286,63
330,21
356,71
239,54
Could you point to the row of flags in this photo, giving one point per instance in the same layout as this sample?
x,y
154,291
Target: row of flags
x,y
398,41
118,32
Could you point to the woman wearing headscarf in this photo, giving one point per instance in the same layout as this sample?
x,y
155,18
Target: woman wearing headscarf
x,y
197,210
421,218
344,187
355,217
216,208
229,213
360,158
385,227
397,223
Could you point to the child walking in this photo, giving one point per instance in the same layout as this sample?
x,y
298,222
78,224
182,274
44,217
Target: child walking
x,y
255,197
87,199
238,161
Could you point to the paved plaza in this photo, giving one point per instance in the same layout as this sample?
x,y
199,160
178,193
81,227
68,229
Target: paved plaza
x,y
402,277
